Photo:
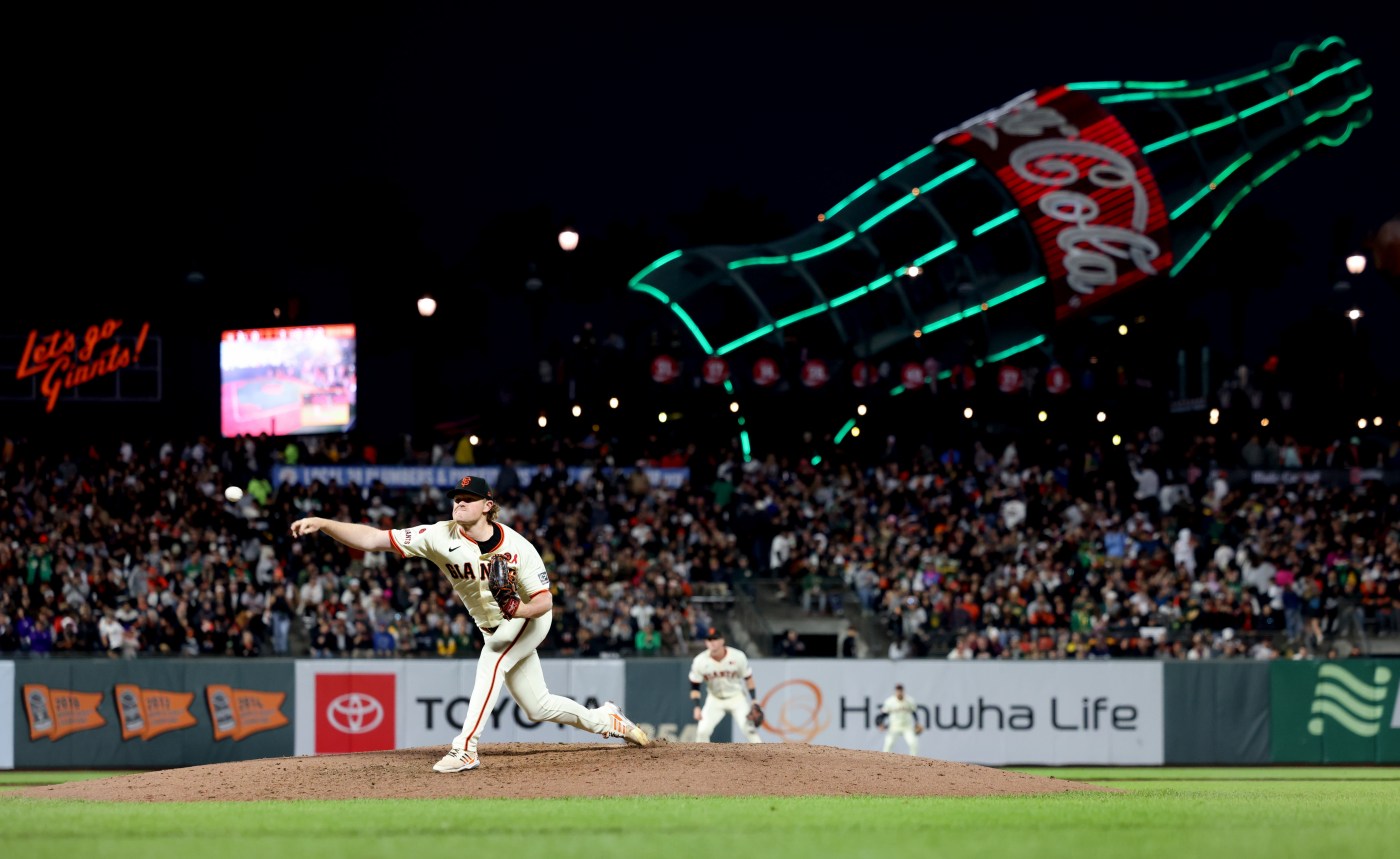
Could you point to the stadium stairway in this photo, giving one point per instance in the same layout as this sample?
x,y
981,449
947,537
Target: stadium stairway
x,y
770,615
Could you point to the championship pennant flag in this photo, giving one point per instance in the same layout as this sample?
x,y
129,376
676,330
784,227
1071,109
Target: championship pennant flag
x,y
148,713
238,713
56,713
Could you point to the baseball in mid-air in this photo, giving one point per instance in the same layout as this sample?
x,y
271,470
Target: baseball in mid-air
x,y
234,494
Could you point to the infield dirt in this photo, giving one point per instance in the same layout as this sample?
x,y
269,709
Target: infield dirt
x,y
542,770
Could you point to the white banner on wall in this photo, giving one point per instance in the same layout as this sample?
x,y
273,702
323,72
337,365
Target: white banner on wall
x,y
369,705
7,715
990,713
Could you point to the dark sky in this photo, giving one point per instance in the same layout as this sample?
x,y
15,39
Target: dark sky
x,y
312,151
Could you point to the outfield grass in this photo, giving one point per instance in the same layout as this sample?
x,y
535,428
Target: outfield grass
x,y
1177,813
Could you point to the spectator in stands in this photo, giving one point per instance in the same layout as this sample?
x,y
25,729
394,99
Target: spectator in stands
x,y
792,644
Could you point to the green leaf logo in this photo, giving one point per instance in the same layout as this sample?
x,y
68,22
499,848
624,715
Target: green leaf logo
x,y
1352,703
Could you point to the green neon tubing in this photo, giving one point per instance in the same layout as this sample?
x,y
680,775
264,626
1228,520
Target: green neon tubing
x,y
832,245
935,253
977,308
660,296
821,249
800,315
1264,177
1201,194
740,263
694,329
1247,112
653,292
847,427
1340,109
1020,347
746,339
636,279
927,150
850,296
1230,84
944,177
888,210
744,440
852,198
995,222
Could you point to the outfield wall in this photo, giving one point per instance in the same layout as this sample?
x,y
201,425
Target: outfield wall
x,y
102,713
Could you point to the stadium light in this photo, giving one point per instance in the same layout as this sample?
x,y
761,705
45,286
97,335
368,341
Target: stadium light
x,y
568,239
1123,329
543,421
612,403
861,410
1102,416
1356,263
427,306
578,410
967,412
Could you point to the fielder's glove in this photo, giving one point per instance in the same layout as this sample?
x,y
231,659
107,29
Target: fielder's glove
x,y
500,577
918,728
756,715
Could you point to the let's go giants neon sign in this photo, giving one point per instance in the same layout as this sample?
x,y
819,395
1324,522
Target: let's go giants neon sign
x,y
62,361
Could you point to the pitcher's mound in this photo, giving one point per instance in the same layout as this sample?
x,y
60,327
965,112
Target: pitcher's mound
x,y
532,770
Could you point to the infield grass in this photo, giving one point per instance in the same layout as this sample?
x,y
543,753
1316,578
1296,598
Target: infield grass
x,y
1162,814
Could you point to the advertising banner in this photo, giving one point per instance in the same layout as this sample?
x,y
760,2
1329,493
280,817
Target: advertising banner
x,y
99,714
658,699
418,476
1217,712
7,715
986,712
1335,712
371,705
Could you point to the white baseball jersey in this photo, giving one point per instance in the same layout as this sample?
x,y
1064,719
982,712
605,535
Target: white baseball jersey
x,y
901,712
459,558
724,678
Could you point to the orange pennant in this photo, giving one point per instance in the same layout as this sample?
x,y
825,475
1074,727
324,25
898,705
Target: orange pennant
x,y
148,713
56,713
237,713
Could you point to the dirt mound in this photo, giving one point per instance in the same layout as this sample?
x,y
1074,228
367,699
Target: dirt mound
x,y
565,770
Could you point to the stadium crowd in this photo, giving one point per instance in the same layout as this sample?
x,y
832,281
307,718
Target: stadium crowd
x,y
1143,550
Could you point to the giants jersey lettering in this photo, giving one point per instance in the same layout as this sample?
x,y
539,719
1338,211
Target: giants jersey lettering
x,y
724,678
901,712
459,558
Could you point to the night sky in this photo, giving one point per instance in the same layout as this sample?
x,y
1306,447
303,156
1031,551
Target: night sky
x,y
340,163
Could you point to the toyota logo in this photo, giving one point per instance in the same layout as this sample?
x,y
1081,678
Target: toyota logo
x,y
355,713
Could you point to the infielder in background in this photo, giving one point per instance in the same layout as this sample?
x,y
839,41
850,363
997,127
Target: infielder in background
x,y
725,673
899,717
514,620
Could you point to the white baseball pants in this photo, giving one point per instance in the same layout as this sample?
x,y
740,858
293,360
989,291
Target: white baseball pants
x,y
910,738
509,659
716,709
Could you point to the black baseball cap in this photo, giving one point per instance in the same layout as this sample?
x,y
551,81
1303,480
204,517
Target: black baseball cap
x,y
470,486
713,633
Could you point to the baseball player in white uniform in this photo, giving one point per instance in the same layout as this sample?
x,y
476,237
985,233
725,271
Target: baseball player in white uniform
x,y
725,672
512,628
899,717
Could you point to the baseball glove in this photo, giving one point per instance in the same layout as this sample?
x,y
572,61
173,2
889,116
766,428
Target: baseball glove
x,y
918,728
500,577
756,715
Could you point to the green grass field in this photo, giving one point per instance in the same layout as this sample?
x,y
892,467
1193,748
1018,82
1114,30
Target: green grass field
x,y
1319,813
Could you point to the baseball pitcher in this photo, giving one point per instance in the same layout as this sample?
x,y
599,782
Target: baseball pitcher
x,y
899,717
499,576
725,673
